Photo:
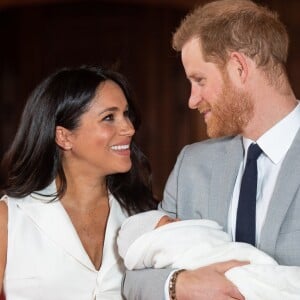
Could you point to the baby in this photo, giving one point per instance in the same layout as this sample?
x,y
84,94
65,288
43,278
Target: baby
x,y
154,240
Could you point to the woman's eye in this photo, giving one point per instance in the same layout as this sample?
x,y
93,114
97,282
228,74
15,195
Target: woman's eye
x,y
109,117
126,113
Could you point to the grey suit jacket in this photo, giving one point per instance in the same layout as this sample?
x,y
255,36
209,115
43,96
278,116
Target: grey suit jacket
x,y
201,186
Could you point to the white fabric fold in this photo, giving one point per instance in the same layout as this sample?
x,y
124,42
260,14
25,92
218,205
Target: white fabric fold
x,y
191,244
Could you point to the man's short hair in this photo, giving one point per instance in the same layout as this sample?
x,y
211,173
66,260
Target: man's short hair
x,y
237,25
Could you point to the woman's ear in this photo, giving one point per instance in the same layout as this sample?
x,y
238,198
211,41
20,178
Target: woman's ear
x,y
238,67
62,138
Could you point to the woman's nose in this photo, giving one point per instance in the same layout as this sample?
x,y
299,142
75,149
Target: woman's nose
x,y
127,128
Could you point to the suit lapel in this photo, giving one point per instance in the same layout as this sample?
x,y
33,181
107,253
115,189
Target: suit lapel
x,y
52,219
286,186
224,173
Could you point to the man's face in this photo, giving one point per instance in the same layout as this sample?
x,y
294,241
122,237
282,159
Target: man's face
x,y
226,109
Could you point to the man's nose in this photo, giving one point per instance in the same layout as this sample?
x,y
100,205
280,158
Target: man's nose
x,y
195,99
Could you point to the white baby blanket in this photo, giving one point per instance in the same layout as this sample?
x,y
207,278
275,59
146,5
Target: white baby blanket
x,y
191,244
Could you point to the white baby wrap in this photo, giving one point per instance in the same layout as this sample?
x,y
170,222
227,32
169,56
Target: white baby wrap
x,y
194,243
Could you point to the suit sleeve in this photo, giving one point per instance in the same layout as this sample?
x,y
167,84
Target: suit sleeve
x,y
169,203
145,284
148,284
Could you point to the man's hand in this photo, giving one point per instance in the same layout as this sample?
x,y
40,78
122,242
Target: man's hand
x,y
208,283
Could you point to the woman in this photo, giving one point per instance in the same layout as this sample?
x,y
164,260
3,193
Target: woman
x,y
73,175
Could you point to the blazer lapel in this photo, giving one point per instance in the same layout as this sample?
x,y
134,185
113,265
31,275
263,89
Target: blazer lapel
x,y
110,251
52,219
224,175
286,186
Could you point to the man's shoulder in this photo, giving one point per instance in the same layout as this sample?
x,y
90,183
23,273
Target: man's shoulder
x,y
211,145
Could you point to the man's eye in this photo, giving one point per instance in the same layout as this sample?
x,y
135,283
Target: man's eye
x,y
200,81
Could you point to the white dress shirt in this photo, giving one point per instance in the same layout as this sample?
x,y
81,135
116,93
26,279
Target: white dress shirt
x,y
268,167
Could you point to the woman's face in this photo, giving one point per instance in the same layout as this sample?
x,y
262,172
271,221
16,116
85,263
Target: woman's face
x,y
101,143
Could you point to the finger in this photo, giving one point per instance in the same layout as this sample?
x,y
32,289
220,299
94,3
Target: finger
x,y
226,265
233,291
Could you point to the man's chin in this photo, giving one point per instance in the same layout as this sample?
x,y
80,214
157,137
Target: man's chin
x,y
212,130
213,133
217,132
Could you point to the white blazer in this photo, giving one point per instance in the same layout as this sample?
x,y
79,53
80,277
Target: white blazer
x,y
46,259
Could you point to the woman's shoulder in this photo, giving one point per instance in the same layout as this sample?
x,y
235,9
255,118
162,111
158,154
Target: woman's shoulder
x,y
3,208
3,218
3,212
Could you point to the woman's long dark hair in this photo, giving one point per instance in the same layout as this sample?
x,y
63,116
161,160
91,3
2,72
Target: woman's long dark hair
x,y
34,159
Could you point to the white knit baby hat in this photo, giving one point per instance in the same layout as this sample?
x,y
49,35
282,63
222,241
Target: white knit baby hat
x,y
136,225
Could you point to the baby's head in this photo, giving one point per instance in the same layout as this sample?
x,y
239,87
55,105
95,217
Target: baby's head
x,y
136,225
165,220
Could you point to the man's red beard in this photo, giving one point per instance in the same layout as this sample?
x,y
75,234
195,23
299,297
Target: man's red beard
x,y
230,114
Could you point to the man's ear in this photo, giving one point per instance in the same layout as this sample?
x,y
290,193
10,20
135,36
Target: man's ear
x,y
238,67
62,138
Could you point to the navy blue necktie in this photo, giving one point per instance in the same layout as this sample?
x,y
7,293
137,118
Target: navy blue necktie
x,y
246,213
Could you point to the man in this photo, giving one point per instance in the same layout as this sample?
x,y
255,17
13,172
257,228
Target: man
x,y
234,54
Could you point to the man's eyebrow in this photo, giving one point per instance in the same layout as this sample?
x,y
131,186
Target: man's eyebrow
x,y
194,76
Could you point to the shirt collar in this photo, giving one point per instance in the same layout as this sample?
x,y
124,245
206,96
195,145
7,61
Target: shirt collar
x,y
284,132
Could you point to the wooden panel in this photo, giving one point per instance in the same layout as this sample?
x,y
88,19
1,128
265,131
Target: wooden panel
x,y
170,3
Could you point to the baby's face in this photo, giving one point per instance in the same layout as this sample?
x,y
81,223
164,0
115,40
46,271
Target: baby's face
x,y
165,220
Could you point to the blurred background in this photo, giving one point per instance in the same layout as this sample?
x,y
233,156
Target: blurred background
x,y
134,36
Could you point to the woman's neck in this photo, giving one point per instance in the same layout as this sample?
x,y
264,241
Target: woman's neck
x,y
84,193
